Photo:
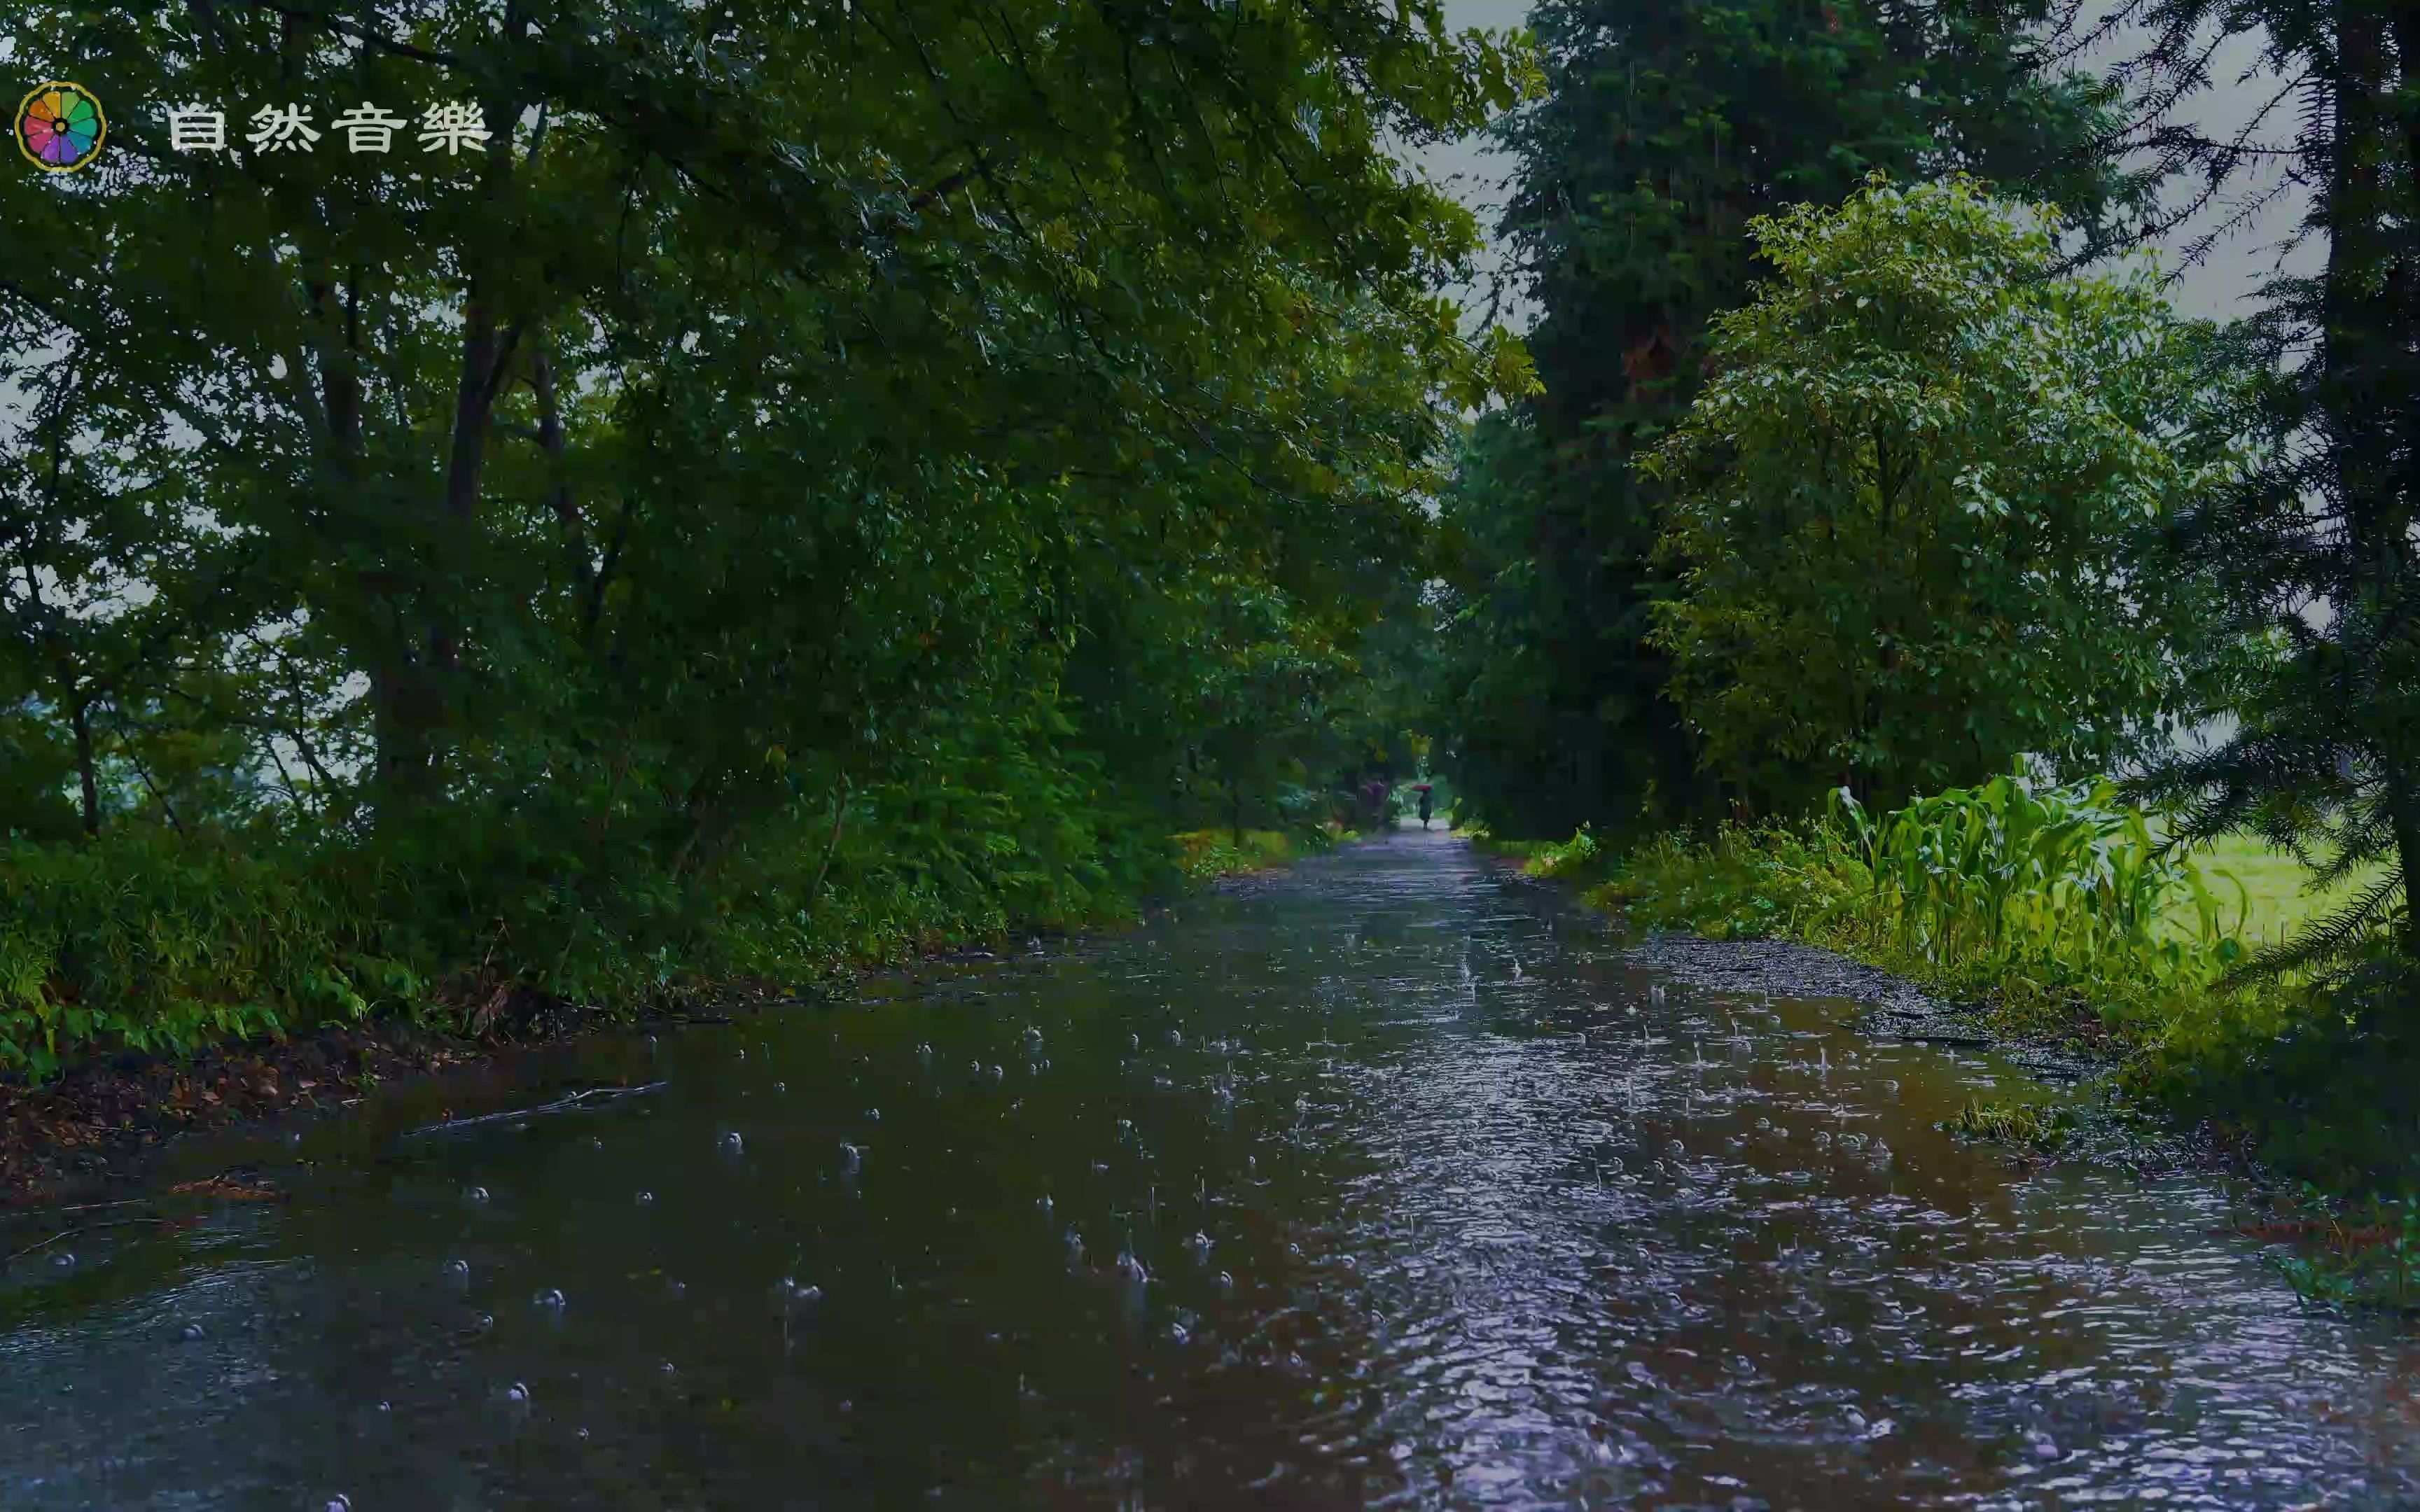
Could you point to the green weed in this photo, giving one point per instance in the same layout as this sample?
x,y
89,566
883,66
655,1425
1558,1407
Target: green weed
x,y
2364,1255
2031,1125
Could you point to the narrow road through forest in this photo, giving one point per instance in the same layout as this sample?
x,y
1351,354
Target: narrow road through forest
x,y
1383,1180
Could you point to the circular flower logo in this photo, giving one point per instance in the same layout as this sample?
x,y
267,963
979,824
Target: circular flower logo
x,y
60,127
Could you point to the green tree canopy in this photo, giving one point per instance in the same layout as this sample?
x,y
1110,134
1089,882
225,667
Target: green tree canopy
x,y
1920,503
992,428
1668,127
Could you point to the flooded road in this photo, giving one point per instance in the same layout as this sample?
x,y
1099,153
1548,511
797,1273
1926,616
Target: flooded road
x,y
1385,1181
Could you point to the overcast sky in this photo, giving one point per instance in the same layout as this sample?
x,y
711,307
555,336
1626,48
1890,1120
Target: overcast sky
x,y
2224,286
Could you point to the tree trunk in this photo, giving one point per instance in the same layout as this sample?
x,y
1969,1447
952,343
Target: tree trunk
x,y
82,719
2365,408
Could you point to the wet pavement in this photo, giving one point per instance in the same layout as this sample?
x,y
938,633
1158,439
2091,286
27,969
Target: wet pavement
x,y
1386,1181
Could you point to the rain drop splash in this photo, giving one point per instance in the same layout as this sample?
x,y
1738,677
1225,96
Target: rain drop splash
x,y
731,1142
475,1195
551,1299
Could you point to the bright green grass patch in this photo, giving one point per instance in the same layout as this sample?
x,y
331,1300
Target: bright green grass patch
x,y
2277,899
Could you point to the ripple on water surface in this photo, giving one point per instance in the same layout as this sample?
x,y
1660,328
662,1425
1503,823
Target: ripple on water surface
x,y
1383,1181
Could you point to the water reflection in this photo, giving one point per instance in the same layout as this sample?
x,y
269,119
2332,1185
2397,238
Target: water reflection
x,y
1387,1183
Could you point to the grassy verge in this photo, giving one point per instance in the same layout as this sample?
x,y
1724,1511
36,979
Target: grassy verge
x,y
153,944
1207,854
2054,917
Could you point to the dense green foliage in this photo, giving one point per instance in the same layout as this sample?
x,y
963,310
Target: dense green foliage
x,y
1668,128
816,476
1917,506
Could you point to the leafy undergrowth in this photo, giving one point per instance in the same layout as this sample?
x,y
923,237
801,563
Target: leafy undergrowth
x,y
1207,854
2363,1253
146,944
2054,914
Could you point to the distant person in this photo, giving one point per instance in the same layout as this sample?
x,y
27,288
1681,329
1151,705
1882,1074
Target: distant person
x,y
1424,806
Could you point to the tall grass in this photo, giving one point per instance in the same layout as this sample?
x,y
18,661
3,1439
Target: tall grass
x,y
2055,905
2019,883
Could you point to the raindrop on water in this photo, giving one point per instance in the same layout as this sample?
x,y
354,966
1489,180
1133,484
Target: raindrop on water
x,y
458,1269
476,1194
551,1299
731,1144
517,1392
646,1197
